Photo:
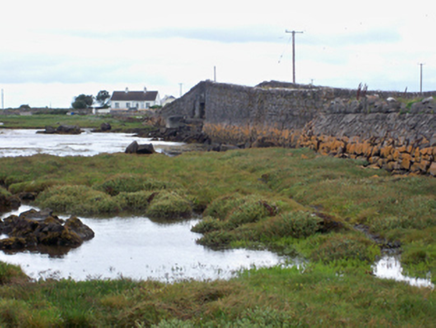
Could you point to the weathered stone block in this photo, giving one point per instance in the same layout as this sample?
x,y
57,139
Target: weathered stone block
x,y
432,169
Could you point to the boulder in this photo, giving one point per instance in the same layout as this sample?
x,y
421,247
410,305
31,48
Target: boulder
x,y
68,129
82,230
145,149
34,228
132,148
105,127
62,129
135,148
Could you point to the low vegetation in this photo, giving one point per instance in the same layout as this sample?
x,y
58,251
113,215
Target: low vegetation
x,y
294,202
83,121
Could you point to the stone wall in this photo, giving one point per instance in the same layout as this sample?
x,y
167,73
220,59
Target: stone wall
x,y
390,130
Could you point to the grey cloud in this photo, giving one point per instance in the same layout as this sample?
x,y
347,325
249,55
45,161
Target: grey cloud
x,y
43,69
223,35
361,38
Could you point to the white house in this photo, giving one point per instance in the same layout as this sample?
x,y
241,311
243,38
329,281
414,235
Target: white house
x,y
136,100
167,99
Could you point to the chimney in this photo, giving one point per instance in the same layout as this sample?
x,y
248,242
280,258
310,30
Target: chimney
x,y
145,89
127,90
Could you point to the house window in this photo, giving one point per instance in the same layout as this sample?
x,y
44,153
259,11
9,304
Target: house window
x,y
137,105
128,105
147,105
117,105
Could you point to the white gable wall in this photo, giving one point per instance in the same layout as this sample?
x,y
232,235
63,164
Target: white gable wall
x,y
140,105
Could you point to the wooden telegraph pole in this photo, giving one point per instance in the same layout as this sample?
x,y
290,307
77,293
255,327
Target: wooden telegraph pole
x,y
293,52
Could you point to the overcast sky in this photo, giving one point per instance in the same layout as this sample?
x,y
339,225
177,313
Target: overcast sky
x,y
51,51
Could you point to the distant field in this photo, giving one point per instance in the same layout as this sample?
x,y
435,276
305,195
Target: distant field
x,y
84,121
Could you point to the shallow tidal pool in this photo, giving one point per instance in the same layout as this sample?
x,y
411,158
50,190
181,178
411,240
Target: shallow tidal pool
x,y
138,248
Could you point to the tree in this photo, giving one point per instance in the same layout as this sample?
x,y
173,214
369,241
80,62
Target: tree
x,y
103,98
82,102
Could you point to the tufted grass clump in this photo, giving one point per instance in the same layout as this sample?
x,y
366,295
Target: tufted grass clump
x,y
217,239
336,247
135,201
11,273
79,200
132,183
222,206
206,225
169,205
35,186
291,224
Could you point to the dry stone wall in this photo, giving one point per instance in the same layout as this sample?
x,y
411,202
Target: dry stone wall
x,y
389,130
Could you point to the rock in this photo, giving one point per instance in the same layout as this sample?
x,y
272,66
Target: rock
x,y
105,127
135,148
145,149
175,121
82,230
432,169
36,215
50,130
68,129
31,229
62,129
132,148
427,100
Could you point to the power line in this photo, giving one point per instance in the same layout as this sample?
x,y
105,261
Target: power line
x,y
293,52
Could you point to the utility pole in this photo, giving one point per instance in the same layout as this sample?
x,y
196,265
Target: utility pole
x,y
181,84
214,73
3,100
293,52
420,77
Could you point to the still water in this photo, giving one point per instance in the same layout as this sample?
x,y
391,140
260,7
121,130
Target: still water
x,y
138,248
27,143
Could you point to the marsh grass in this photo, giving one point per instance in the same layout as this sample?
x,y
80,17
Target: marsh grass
x,y
84,121
255,197
314,295
132,183
77,199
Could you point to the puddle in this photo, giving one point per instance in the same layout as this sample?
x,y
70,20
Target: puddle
x,y
389,267
138,248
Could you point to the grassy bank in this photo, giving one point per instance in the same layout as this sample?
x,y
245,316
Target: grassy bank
x,y
291,201
40,121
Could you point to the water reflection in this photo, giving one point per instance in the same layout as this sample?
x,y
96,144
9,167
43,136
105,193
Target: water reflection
x,y
389,267
16,142
139,248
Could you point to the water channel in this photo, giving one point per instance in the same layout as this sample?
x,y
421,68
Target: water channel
x,y
137,247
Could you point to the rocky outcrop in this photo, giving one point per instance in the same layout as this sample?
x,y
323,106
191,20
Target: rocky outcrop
x,y
135,148
32,228
8,202
62,129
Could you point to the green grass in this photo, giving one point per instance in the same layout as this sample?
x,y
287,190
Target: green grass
x,y
291,201
83,121
316,296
